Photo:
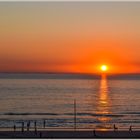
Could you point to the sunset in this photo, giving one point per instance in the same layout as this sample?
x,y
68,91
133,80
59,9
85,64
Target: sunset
x,y
69,69
69,37
104,68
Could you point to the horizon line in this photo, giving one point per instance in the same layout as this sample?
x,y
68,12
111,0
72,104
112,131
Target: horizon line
x,y
84,73
69,0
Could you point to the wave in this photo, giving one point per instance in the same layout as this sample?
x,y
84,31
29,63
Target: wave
x,y
133,113
94,114
11,113
67,114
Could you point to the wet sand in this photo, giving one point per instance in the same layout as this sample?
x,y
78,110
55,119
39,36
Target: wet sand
x,y
70,134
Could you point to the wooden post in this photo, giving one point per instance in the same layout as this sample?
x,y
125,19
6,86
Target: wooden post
x,y
74,114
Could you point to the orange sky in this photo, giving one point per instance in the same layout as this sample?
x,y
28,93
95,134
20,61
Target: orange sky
x,y
69,37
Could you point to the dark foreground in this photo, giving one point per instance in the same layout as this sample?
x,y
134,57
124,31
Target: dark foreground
x,y
70,134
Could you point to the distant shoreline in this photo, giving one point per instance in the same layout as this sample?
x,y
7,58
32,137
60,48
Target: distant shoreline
x,y
74,73
67,76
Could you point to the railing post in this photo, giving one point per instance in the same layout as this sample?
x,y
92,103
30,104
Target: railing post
x,y
75,115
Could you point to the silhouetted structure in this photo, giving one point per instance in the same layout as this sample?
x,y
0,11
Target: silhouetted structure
x,y
35,127
130,128
75,114
115,128
44,123
28,126
14,127
94,132
22,127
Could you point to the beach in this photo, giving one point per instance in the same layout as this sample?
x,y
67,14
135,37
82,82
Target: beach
x,y
69,134
69,69
56,106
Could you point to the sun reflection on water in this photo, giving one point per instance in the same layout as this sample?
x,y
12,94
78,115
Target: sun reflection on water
x,y
103,102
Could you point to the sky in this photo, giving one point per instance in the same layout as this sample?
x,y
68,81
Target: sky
x,y
69,36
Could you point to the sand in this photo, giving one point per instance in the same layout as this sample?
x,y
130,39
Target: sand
x,y
69,134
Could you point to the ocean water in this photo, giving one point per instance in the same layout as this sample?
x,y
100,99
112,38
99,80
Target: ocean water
x,y
101,101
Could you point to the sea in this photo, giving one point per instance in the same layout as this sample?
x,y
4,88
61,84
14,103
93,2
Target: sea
x,y
70,101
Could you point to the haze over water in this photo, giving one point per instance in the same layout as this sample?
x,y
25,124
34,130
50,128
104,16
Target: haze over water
x,y
101,101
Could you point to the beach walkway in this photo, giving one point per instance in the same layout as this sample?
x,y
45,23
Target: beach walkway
x,y
70,134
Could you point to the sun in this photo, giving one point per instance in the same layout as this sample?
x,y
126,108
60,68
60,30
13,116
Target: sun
x,y
104,68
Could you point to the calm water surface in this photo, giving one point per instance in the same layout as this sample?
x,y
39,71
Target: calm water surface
x,y
100,102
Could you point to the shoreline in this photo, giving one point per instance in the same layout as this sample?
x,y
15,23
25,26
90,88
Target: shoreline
x,y
69,134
